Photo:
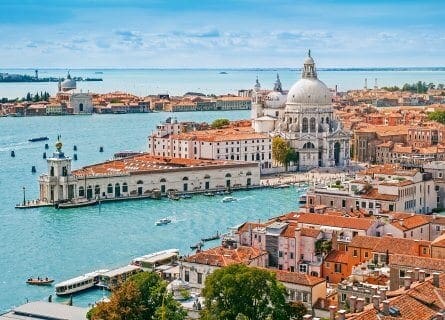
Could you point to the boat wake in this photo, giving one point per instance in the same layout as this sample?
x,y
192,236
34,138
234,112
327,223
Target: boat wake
x,y
16,146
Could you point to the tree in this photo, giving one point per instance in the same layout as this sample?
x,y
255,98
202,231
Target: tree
x,y
438,116
219,123
323,246
143,296
241,292
282,152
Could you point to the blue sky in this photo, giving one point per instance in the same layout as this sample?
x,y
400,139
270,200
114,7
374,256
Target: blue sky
x,y
220,33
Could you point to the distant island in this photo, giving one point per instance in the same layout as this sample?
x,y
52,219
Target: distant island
x,y
9,77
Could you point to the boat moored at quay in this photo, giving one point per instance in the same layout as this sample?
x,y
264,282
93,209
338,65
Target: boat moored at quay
x,y
80,283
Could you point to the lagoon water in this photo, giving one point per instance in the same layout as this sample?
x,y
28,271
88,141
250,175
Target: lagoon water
x,y
143,82
67,243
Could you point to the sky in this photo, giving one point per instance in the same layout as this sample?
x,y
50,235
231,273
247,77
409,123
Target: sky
x,y
220,33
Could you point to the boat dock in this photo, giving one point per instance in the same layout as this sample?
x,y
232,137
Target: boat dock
x,y
150,261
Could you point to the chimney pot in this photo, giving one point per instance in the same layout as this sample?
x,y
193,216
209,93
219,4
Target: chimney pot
x,y
421,275
436,279
352,303
376,302
341,314
407,282
360,304
332,312
410,273
416,274
386,307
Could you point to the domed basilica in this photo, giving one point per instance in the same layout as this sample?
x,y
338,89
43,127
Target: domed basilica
x,y
304,118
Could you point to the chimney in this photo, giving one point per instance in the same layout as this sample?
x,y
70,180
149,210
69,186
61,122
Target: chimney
x,y
352,303
439,316
376,302
407,282
383,294
421,275
386,307
332,312
360,305
436,279
341,314
416,274
307,317
410,273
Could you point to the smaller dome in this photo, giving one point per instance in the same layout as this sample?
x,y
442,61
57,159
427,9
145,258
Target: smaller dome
x,y
275,99
309,60
68,84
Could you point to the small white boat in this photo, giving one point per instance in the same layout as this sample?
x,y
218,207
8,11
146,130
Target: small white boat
x,y
163,221
80,283
228,199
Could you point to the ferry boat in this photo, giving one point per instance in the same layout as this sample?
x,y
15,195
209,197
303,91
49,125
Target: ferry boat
x,y
163,221
40,281
80,283
153,260
38,139
114,278
228,199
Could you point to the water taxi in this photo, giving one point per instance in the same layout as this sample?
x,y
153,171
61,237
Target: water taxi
x,y
38,139
40,281
152,260
228,199
114,278
80,283
163,221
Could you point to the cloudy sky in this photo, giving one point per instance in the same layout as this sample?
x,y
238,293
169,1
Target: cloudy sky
x,y
220,33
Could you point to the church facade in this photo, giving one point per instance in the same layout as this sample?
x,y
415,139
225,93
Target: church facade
x,y
304,117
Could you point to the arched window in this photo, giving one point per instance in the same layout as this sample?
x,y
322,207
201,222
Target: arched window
x,y
140,182
185,179
80,107
110,188
89,192
312,129
228,175
308,145
81,192
163,180
51,172
305,125
248,173
206,176
124,187
96,189
327,120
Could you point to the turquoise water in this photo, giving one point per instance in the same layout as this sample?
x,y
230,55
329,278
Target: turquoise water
x,y
179,81
66,243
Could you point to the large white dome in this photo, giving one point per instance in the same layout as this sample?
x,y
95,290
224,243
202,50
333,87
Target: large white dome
x,y
309,91
68,84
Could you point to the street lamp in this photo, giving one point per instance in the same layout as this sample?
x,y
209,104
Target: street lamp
x,y
24,198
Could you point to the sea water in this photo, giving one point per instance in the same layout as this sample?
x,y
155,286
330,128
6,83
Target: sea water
x,y
144,82
62,244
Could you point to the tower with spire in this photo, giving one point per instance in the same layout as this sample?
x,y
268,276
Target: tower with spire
x,y
309,71
277,86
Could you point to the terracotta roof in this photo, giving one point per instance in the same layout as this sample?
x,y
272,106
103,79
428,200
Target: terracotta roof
x,y
373,193
439,241
224,134
309,232
410,222
144,163
427,263
330,220
249,226
337,256
222,257
390,244
297,278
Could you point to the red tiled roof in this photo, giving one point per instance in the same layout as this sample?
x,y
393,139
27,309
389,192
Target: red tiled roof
x,y
337,256
390,244
297,278
222,257
373,193
427,263
330,220
410,222
439,241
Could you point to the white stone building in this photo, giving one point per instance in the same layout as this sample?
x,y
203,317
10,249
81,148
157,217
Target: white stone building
x,y
304,117
79,102
141,175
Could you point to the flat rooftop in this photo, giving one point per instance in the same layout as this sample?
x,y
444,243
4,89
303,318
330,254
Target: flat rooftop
x,y
46,310
145,163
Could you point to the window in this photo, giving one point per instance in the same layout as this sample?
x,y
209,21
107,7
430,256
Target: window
x,y
81,192
305,125
425,250
337,267
199,278
366,254
124,187
401,273
355,254
187,276
343,297
291,255
110,188
312,125
303,268
305,297
343,203
437,228
280,254
97,189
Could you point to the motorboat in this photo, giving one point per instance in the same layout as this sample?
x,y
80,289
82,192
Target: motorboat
x,y
281,186
228,199
79,283
40,281
185,196
163,221
209,194
38,139
211,238
173,196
